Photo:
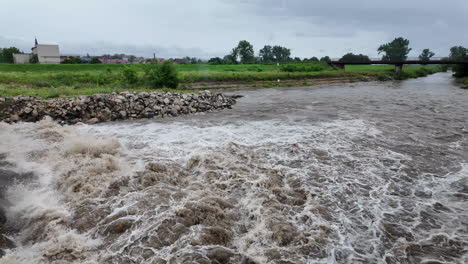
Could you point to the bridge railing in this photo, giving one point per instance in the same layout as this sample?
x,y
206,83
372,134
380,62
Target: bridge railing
x,y
410,60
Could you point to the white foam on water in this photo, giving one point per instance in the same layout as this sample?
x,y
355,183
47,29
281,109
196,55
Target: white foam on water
x,y
268,191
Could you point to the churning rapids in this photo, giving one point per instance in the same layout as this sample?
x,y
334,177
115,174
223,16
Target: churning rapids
x,y
352,173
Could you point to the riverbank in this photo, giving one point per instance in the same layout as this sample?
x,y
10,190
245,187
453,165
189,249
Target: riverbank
x,y
367,173
51,81
110,107
463,81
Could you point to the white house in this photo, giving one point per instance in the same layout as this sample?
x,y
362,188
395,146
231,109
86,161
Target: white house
x,y
46,54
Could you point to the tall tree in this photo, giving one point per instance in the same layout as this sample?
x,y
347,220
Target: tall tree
x,y
426,55
233,56
216,61
245,51
396,50
230,59
266,53
350,57
282,54
7,54
325,59
459,53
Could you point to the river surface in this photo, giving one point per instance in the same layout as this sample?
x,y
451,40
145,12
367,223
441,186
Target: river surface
x,y
351,173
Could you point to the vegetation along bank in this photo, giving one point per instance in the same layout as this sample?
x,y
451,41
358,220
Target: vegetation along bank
x,y
50,81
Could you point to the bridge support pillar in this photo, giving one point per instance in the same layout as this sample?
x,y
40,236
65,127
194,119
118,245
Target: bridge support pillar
x,y
398,70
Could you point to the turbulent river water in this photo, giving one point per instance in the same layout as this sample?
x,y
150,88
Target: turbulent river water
x,y
351,173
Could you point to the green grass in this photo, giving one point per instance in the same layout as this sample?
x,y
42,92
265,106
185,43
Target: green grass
x,y
463,80
72,92
73,79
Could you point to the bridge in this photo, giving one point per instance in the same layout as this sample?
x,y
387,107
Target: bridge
x,y
338,64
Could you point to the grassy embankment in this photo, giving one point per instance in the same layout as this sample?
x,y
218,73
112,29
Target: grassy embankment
x,y
50,81
463,80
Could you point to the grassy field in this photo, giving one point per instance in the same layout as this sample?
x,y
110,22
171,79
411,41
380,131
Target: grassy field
x,y
73,79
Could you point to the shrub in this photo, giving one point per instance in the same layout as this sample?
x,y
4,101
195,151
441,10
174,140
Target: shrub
x,y
129,75
105,77
95,60
314,67
350,57
34,59
255,69
162,75
72,60
460,70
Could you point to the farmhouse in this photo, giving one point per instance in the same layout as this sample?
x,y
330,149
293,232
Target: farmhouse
x,y
46,54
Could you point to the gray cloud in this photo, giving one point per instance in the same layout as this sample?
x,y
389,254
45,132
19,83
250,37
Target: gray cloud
x,y
206,28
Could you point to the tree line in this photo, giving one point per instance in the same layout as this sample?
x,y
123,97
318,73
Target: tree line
x,y
244,53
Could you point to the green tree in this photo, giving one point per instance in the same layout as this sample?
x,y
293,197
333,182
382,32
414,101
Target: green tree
x,y
216,61
397,50
194,60
95,60
131,58
282,54
162,75
325,59
7,54
459,53
230,59
34,59
129,75
266,53
426,55
245,52
72,60
350,57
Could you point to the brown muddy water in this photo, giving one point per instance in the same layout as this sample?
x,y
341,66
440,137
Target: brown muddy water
x,y
352,173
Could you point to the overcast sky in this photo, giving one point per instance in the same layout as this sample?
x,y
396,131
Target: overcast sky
x,y
206,28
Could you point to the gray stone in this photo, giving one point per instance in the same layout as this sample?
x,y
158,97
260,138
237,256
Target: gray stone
x,y
101,108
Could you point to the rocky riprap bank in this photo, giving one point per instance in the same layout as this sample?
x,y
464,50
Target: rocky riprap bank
x,y
109,107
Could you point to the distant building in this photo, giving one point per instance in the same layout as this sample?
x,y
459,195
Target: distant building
x,y
181,61
46,54
114,61
21,58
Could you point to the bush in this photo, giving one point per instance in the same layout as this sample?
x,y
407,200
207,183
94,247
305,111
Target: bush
x,y
105,77
162,75
129,75
314,67
95,60
460,70
255,69
34,59
350,57
72,60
